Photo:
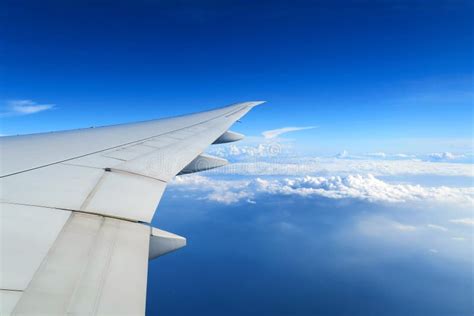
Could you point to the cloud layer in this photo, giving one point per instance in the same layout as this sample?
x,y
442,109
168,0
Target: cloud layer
x,y
367,188
336,166
279,158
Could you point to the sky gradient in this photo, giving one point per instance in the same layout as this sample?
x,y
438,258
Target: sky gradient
x,y
380,75
353,191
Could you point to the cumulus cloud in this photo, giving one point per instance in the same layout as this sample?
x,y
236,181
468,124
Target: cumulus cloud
x,y
279,131
463,221
367,188
364,188
25,107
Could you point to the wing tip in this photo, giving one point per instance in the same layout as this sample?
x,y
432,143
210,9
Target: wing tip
x,y
255,103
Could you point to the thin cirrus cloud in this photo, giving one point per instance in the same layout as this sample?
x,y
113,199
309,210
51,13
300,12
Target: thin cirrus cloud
x,y
274,133
437,227
463,221
25,107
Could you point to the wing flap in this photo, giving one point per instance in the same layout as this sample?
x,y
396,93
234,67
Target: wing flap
x,y
57,186
125,195
97,265
26,235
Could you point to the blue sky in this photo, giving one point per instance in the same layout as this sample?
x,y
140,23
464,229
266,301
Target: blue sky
x,y
379,75
368,212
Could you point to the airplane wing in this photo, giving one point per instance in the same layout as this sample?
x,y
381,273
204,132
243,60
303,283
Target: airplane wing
x,y
76,208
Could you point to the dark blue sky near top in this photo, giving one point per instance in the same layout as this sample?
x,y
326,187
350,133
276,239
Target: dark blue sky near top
x,y
363,71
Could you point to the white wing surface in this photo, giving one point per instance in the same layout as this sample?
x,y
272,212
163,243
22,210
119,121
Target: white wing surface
x,y
76,208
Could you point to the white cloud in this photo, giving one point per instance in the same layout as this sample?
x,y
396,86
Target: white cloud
x,y
437,227
463,221
25,107
221,191
404,228
367,188
279,131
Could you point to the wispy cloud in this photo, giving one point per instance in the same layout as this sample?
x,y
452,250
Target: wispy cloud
x,y
463,221
24,107
437,227
404,228
280,131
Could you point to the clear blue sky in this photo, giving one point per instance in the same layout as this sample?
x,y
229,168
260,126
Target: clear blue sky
x,y
370,74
